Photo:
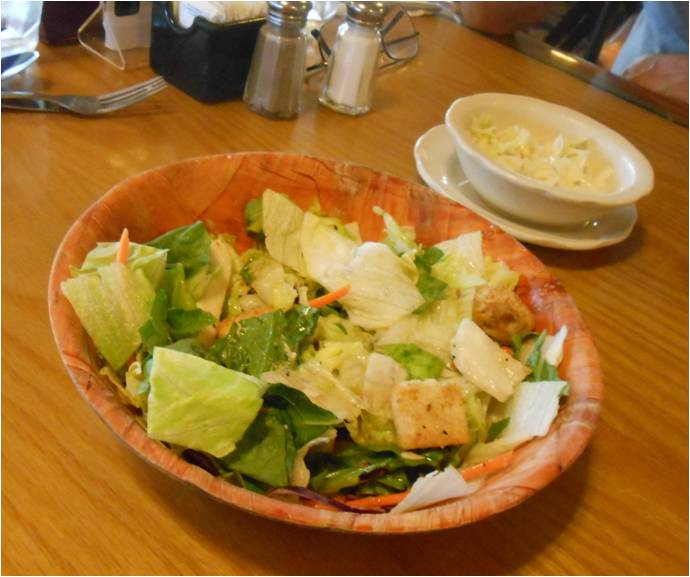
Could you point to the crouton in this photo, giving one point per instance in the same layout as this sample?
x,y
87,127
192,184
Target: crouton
x,y
500,313
429,413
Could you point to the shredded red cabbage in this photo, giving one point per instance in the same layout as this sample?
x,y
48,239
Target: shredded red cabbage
x,y
310,495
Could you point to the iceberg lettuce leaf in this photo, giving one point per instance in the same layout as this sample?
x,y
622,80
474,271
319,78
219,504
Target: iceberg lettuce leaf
x,y
111,305
199,404
462,265
222,266
434,330
382,374
436,487
271,282
150,260
399,239
482,361
327,252
381,292
282,226
320,386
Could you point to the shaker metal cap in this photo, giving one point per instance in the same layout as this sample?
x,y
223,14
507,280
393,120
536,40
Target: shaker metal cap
x,y
366,13
289,11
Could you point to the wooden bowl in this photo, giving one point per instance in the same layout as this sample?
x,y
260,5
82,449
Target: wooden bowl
x,y
215,189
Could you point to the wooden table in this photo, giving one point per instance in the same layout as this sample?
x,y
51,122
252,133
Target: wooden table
x,y
74,500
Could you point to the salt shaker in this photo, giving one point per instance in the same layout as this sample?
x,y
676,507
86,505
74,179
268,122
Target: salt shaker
x,y
276,74
349,83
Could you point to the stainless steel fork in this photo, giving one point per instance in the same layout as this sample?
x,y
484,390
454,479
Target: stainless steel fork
x,y
84,105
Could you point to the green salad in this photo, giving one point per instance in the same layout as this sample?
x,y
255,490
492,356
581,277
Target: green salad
x,y
358,376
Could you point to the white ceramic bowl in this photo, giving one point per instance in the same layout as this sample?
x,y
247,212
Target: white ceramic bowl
x,y
527,198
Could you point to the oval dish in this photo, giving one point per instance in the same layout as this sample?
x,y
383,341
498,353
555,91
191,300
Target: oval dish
x,y
530,199
216,189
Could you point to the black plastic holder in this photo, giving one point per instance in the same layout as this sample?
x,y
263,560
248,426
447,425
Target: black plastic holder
x,y
208,61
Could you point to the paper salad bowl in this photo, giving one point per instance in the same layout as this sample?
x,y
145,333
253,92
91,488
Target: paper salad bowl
x,y
215,189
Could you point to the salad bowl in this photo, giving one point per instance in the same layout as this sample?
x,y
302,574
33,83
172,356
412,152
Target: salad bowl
x,y
215,190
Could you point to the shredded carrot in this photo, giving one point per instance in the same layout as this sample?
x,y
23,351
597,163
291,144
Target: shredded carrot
x,y
490,466
318,505
378,500
123,249
223,327
329,298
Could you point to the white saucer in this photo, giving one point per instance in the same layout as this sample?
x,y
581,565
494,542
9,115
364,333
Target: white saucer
x,y
437,164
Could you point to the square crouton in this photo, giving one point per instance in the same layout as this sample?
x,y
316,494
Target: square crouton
x,y
429,413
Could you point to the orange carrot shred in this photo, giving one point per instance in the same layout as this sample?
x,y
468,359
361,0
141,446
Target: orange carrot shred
x,y
329,298
490,466
123,249
378,500
223,327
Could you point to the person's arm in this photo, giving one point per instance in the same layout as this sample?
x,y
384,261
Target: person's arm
x,y
666,74
502,17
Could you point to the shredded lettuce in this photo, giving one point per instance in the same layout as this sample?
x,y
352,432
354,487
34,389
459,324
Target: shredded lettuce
x,y
430,287
372,430
223,262
382,374
327,252
497,273
434,330
150,260
336,328
484,363
532,409
321,386
300,473
399,239
417,363
347,359
269,279
282,225
381,292
436,487
462,265
253,216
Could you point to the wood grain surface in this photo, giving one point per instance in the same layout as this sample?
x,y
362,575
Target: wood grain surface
x,y
76,501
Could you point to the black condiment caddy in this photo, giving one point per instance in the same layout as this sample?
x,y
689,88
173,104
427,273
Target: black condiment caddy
x,y
208,61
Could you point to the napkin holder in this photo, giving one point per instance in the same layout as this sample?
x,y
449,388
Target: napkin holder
x,y
208,61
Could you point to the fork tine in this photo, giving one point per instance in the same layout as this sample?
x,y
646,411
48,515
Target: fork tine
x,y
128,101
132,90
134,94
155,81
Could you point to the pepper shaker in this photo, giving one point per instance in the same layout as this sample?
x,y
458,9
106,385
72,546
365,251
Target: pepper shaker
x,y
276,74
349,83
